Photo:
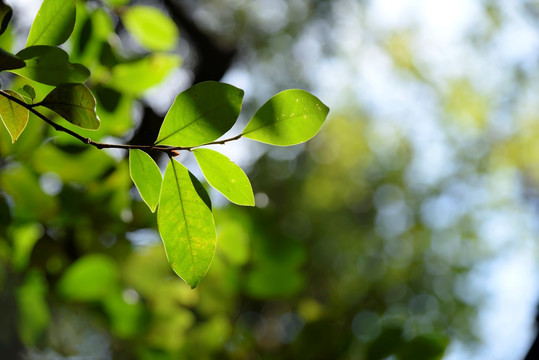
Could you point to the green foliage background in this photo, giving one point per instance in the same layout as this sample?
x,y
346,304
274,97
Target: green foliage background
x,y
340,258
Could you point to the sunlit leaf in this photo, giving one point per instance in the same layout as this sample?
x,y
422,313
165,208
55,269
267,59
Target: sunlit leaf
x,y
186,224
288,118
151,27
7,39
14,116
90,278
102,24
9,61
147,177
225,176
137,76
75,103
201,114
5,15
50,65
53,24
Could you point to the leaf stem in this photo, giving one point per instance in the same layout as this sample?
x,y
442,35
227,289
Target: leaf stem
x,y
169,150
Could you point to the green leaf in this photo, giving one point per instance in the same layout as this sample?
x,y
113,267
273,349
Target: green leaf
x,y
75,103
53,24
288,118
186,224
147,177
29,91
5,15
151,27
135,77
225,176
14,116
24,239
201,114
90,278
50,65
9,61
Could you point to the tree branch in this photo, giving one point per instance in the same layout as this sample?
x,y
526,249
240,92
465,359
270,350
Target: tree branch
x,y
169,150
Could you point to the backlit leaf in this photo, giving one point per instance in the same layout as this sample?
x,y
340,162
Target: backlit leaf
x,y
225,176
201,114
75,103
288,118
14,116
5,15
50,65
137,76
151,27
186,224
9,61
147,177
53,24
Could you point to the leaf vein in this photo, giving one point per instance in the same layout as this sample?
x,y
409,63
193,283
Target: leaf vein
x,y
192,122
183,215
280,120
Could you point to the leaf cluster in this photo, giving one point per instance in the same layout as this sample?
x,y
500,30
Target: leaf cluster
x,y
199,117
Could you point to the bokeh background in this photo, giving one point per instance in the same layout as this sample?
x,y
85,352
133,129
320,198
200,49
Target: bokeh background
x,y
406,229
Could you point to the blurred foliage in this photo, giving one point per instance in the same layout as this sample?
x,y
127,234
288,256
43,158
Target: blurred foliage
x,y
362,241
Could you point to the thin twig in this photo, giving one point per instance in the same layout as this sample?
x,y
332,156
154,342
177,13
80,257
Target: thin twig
x,y
169,150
